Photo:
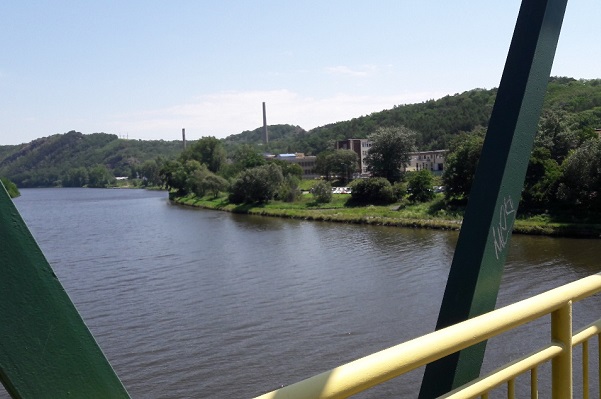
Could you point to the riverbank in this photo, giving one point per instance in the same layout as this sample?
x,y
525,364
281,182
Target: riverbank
x,y
429,215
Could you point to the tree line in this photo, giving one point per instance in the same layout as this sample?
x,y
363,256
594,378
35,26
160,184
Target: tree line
x,y
74,159
435,122
203,169
571,112
564,170
563,175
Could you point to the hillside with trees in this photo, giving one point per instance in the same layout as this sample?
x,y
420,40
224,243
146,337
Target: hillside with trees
x,y
435,122
563,172
281,138
572,112
76,159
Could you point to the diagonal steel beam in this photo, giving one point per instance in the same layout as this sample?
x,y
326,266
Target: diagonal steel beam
x,y
477,266
46,350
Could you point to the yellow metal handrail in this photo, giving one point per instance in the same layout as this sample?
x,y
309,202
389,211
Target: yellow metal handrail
x,y
374,369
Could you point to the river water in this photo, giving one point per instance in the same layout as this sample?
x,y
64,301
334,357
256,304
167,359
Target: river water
x,y
190,303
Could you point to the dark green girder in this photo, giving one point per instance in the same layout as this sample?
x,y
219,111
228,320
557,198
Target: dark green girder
x,y
46,350
481,250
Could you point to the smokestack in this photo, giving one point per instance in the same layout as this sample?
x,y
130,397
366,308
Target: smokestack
x,y
265,134
184,137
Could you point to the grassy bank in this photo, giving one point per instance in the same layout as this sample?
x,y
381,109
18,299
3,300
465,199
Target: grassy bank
x,y
430,215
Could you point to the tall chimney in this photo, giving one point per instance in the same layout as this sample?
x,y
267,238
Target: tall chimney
x,y
184,137
265,134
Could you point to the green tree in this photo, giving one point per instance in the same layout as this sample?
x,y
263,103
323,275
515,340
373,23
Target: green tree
x,y
420,186
542,178
247,156
343,163
99,176
399,190
580,183
288,168
75,177
208,151
150,171
10,187
389,152
174,177
259,184
322,192
196,173
289,189
460,164
555,134
214,184
201,181
323,165
375,190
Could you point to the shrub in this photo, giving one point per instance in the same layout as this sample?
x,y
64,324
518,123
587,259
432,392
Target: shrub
x,y
377,190
259,184
289,191
322,192
420,186
399,190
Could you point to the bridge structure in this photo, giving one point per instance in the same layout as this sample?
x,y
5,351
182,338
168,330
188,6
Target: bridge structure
x,y
360,375
47,351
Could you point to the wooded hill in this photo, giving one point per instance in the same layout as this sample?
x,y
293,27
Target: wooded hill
x,y
435,121
49,161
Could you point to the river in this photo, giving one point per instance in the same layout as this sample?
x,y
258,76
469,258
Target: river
x,y
190,303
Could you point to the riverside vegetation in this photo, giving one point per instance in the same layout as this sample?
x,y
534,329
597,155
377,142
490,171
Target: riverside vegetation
x,y
74,159
434,214
562,192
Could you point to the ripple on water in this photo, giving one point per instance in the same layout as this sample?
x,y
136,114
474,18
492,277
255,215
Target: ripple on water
x,y
189,303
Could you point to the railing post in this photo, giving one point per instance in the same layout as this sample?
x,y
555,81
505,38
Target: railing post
x,y
534,383
561,331
585,371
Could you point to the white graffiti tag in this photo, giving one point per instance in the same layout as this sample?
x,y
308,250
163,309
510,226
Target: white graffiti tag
x,y
502,231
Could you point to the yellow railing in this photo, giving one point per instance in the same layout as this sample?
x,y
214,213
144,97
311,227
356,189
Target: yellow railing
x,y
364,373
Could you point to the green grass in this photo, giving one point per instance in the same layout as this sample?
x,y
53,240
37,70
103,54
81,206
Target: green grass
x,y
433,215
307,184
336,211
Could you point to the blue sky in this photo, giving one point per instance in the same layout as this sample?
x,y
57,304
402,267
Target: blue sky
x,y
146,69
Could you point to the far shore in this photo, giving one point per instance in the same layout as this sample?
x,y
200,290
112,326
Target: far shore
x,y
410,216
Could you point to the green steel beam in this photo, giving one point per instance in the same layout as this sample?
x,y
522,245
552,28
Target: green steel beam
x,y
477,266
46,350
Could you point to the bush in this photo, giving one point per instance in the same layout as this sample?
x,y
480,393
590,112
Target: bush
x,y
377,190
259,184
322,192
420,186
289,191
214,184
399,190
580,184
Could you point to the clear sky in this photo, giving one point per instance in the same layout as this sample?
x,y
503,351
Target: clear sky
x,y
147,69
